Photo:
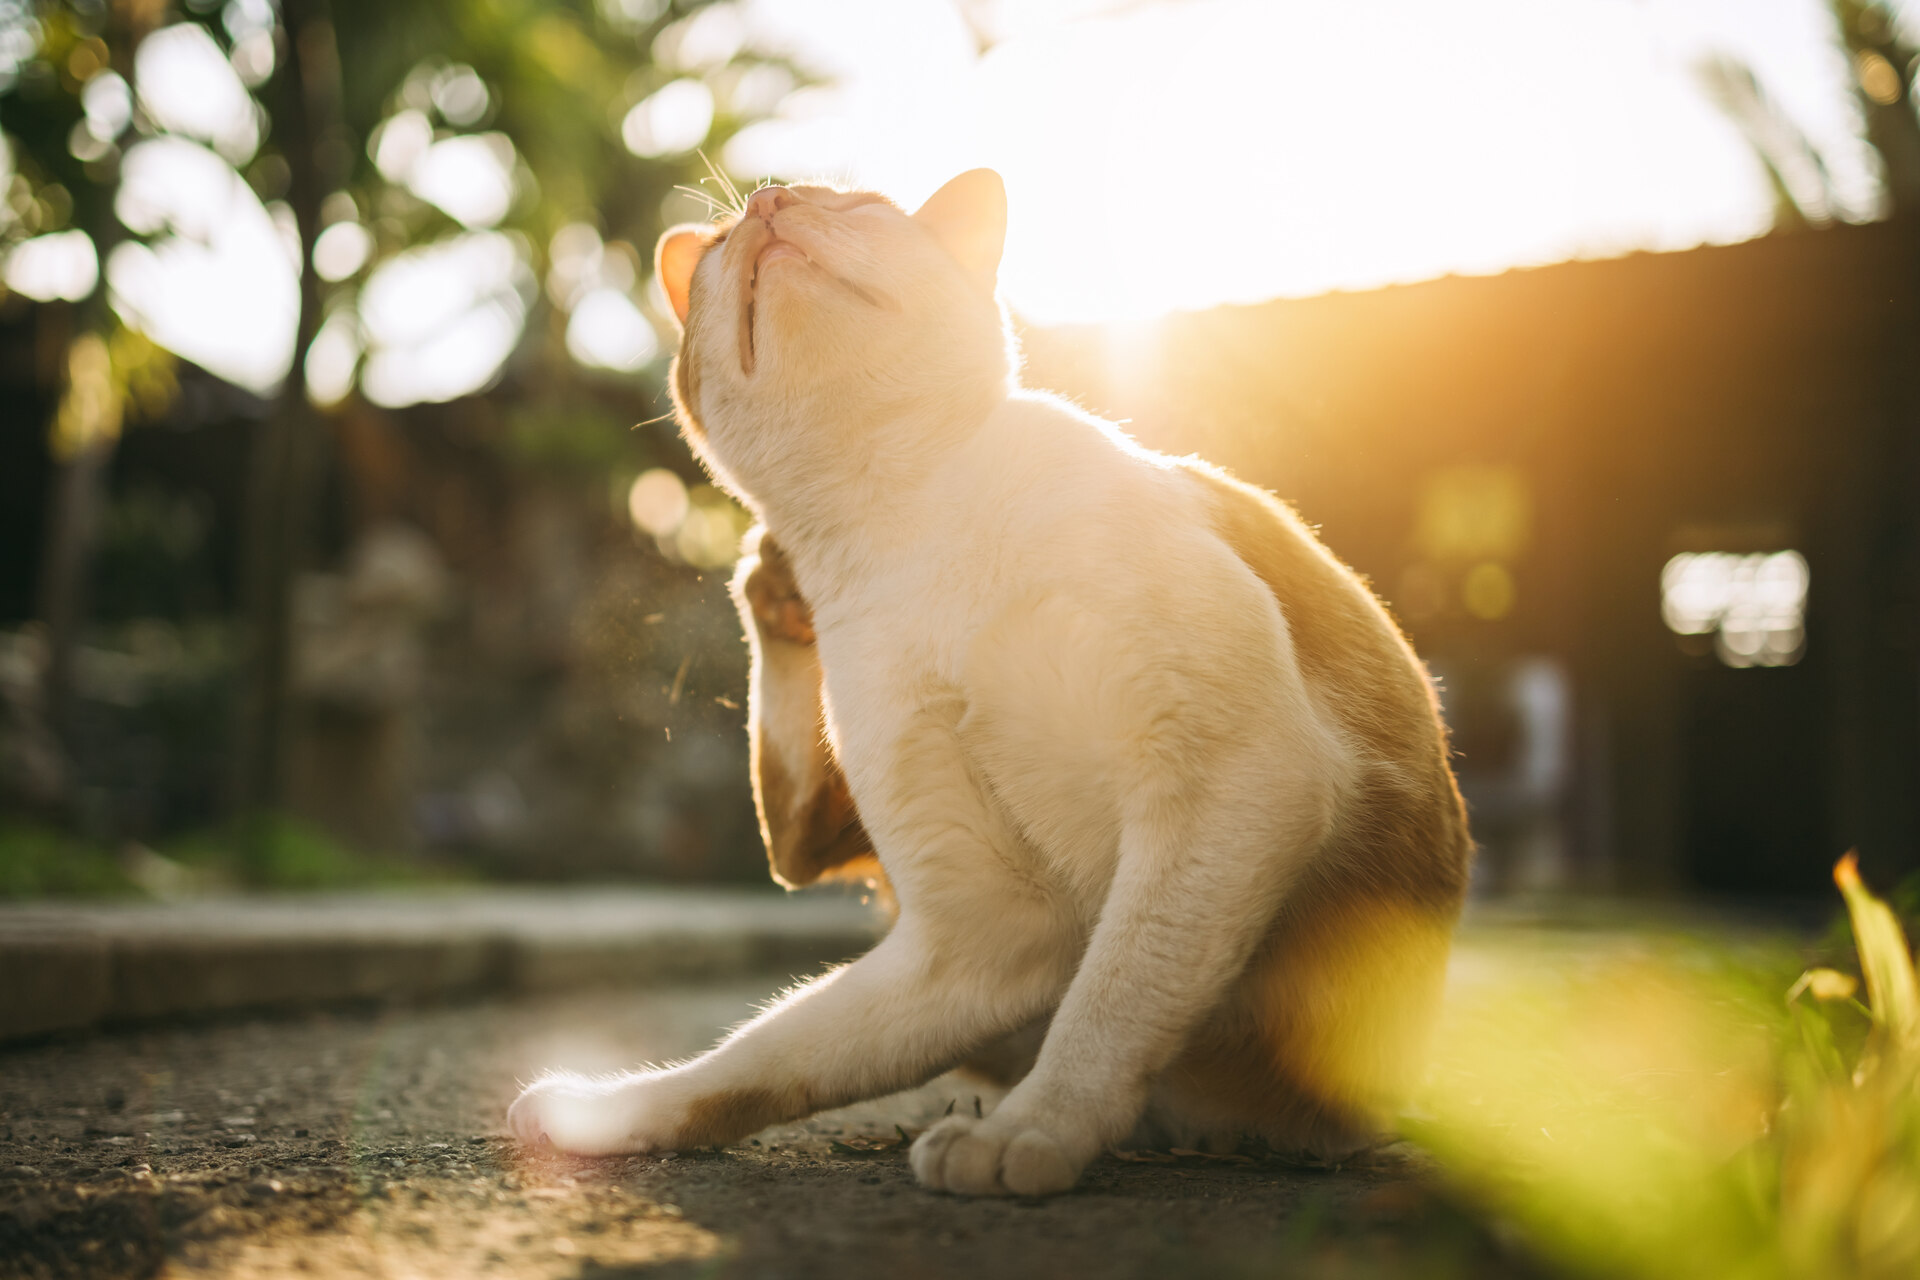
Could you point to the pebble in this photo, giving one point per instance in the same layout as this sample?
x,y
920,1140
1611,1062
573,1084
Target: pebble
x,y
19,1171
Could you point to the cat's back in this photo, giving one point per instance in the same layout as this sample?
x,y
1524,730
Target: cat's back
x,y
1408,824
1054,497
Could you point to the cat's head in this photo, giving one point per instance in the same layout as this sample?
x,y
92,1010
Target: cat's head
x,y
816,320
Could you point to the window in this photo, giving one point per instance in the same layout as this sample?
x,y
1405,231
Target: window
x,y
1753,605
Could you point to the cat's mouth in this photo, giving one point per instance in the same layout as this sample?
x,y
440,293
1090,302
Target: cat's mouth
x,y
773,250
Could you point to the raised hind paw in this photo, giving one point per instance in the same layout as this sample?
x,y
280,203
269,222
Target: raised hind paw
x,y
992,1157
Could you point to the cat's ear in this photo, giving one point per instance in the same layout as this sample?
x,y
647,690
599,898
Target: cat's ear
x,y
968,217
674,259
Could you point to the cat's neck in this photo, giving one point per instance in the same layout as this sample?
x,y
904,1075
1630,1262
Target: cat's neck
x,y
844,520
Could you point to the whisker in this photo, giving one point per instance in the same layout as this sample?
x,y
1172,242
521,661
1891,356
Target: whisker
x,y
715,207
739,205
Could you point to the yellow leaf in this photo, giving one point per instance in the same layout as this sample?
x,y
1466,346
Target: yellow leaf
x,y
1892,989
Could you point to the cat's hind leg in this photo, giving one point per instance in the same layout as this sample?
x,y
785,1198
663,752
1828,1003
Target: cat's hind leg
x,y
1324,1034
1198,881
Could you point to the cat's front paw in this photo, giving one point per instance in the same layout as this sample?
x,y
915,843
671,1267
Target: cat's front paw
x,y
993,1157
582,1115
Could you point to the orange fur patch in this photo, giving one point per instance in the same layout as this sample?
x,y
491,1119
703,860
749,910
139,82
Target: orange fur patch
x,y
720,1118
808,823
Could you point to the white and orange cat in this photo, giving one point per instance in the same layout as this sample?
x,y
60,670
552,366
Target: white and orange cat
x,y
1161,792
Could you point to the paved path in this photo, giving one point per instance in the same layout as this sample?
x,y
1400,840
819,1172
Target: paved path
x,y
370,1144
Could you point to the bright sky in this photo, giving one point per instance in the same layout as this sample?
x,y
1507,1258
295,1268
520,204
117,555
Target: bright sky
x,y
1182,154
1159,156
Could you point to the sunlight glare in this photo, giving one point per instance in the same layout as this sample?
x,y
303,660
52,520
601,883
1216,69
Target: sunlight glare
x,y
709,536
658,502
1164,156
607,331
460,95
398,143
674,120
440,320
62,265
341,250
108,102
188,87
331,360
469,177
705,39
250,24
219,290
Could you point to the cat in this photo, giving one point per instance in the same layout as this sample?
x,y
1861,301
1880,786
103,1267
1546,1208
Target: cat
x,y
1161,791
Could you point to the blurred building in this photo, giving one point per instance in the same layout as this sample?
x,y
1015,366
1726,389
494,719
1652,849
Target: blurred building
x,y
1655,522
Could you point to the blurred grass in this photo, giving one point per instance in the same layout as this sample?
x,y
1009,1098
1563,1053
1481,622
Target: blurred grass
x,y
271,853
1666,1105
38,861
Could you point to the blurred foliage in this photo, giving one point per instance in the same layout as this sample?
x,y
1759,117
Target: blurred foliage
x,y
38,861
153,559
546,88
577,437
1884,63
555,78
278,853
1662,1110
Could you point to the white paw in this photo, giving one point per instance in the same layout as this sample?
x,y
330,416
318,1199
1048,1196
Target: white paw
x,y
581,1115
992,1157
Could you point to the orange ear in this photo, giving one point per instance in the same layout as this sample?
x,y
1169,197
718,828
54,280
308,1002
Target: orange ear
x,y
674,259
968,217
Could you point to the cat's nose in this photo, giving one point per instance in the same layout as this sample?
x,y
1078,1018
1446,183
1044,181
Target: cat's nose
x,y
767,201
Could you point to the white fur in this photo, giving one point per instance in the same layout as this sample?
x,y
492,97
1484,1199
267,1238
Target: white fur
x,y
1070,715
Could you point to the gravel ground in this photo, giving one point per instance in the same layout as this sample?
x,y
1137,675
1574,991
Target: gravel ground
x,y
372,1144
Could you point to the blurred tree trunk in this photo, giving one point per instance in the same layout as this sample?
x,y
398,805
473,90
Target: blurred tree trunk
x,y
82,439
73,513
289,449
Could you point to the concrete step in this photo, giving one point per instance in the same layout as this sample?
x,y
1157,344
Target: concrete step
x,y
74,966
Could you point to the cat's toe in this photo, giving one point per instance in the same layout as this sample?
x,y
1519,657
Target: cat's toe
x,y
928,1154
1034,1164
977,1158
523,1119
